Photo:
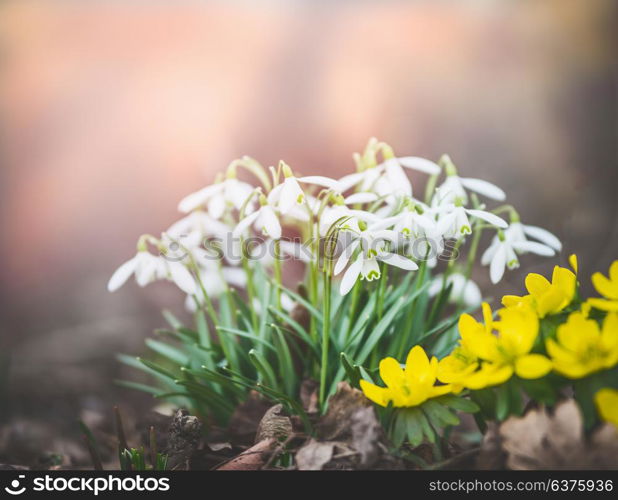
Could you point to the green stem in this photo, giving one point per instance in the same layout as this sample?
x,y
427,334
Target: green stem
x,y
382,290
411,310
209,306
325,337
250,290
353,306
278,272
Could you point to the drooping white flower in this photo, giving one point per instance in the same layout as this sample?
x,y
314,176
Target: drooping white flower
x,y
191,230
230,192
148,268
505,246
374,243
454,187
264,219
463,290
453,220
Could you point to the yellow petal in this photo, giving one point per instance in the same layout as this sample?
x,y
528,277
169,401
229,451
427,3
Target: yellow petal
x,y
536,284
605,287
578,333
603,305
379,395
487,316
489,375
609,332
391,373
417,366
518,327
512,300
606,401
440,390
532,366
573,262
554,300
613,271
565,280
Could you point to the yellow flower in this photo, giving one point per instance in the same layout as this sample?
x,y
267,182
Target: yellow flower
x,y
545,297
607,405
582,347
405,388
462,362
507,353
608,288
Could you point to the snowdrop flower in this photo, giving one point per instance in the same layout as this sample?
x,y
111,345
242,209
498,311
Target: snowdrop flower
x,y
192,229
455,223
373,243
454,187
230,192
463,290
502,253
264,219
288,193
148,268
215,280
395,181
412,223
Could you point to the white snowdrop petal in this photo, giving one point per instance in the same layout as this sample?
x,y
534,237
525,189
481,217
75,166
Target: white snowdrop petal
x,y
244,224
483,187
345,257
399,182
216,206
351,180
393,259
291,194
543,235
490,252
198,198
493,219
270,223
472,296
320,180
360,198
420,164
121,275
275,195
534,247
350,276
235,276
498,263
182,277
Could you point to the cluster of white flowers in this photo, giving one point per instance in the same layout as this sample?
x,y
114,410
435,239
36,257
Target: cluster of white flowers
x,y
378,216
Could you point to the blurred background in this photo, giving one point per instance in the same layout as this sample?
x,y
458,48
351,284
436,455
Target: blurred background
x,y
110,112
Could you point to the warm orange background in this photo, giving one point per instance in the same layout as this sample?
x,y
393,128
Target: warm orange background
x,y
112,111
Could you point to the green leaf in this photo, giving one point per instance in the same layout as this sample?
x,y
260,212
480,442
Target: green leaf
x,y
173,321
301,300
247,335
381,328
352,371
263,367
414,428
502,402
138,387
167,351
458,403
438,414
284,358
399,430
302,333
